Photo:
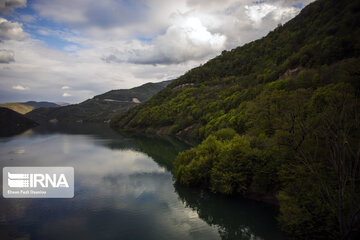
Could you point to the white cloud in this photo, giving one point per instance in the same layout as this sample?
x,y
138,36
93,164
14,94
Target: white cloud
x,y
20,88
46,71
71,48
257,12
11,30
161,40
7,6
82,13
27,18
278,13
187,39
65,87
66,95
206,3
204,30
6,56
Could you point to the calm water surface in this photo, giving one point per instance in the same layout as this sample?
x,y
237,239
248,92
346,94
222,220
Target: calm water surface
x,y
123,190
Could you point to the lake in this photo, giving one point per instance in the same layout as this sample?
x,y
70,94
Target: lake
x,y
124,189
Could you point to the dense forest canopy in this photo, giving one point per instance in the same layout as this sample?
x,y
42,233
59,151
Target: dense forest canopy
x,y
278,117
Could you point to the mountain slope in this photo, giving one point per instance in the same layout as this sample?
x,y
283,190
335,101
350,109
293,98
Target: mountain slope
x,y
18,107
25,107
279,120
314,38
101,107
13,123
41,104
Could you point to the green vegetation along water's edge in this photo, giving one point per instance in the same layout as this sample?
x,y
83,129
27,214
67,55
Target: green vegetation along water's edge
x,y
13,123
279,118
101,107
205,215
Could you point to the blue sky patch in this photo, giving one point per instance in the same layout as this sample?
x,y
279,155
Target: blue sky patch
x,y
298,5
145,39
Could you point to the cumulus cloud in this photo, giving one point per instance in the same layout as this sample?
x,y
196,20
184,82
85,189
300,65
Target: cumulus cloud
x,y
65,87
216,3
7,6
293,2
112,18
11,30
83,13
20,88
223,24
206,28
257,12
45,71
187,39
6,56
276,13
114,44
247,20
66,95
206,3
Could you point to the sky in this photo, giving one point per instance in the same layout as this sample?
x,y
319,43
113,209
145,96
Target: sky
x,y
72,50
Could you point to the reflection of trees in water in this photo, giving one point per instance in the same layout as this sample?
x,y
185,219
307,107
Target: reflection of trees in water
x,y
235,218
163,150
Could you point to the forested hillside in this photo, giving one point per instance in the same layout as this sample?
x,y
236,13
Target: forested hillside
x,y
279,118
322,34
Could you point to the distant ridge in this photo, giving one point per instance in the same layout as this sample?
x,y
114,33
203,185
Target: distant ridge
x,y
100,108
25,107
41,104
62,104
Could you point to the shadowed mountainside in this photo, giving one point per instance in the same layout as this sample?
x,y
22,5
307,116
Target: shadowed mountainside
x,y
13,123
